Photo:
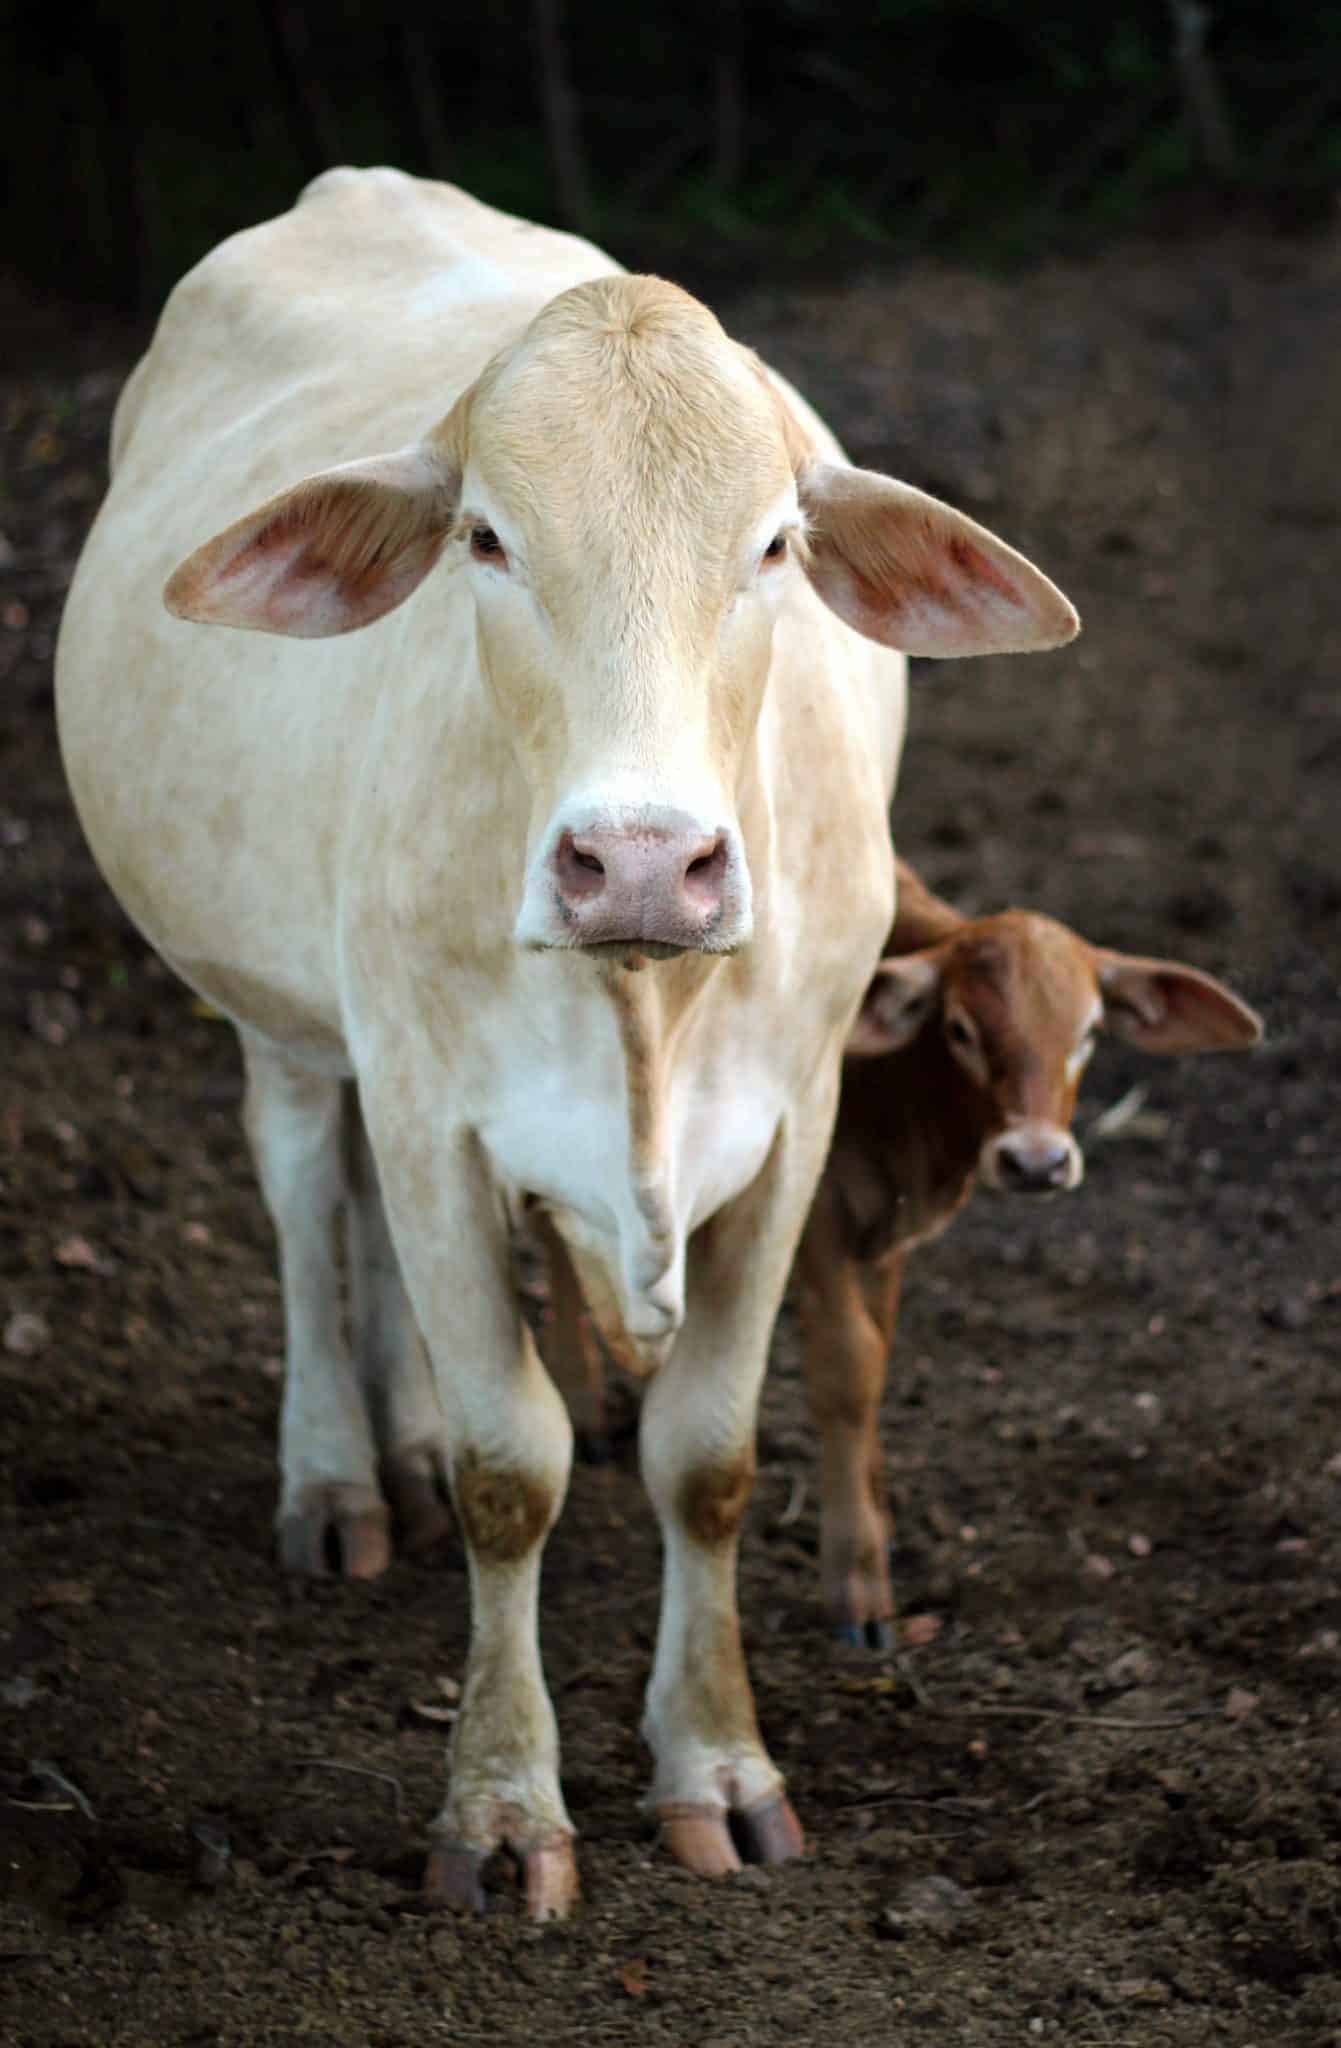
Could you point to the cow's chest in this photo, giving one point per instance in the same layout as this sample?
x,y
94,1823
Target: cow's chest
x,y
627,1179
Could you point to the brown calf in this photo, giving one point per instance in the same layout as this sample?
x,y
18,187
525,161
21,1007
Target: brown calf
x,y
962,1067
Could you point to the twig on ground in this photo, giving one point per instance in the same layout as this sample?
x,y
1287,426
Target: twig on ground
x,y
47,1774
796,1500
1081,1720
911,1679
326,1763
977,1810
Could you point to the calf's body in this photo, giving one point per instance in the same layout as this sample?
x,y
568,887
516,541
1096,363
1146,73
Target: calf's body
x,y
564,873
965,1061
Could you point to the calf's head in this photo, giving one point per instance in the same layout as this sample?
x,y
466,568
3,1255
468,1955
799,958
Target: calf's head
x,y
1009,1007
632,502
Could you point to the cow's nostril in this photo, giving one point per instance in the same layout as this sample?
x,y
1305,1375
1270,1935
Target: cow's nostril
x,y
705,873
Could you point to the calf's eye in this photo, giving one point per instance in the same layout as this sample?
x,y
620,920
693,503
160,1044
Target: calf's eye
x,y
959,1031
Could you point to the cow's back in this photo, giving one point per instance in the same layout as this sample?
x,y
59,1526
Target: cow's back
x,y
216,775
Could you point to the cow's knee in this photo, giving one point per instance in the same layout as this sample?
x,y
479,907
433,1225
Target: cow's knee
x,y
713,1497
505,1509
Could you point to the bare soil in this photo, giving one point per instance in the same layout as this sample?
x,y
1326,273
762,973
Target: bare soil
x,y
1097,1795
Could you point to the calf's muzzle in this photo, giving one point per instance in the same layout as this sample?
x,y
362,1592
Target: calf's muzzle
x,y
1032,1159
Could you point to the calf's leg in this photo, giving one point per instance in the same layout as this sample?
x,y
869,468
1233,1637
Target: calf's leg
x,y
329,1497
847,1314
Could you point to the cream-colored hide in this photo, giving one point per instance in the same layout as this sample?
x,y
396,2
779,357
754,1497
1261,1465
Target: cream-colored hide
x,y
558,882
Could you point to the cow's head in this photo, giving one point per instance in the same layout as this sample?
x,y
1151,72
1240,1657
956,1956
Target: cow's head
x,y
632,500
1015,1002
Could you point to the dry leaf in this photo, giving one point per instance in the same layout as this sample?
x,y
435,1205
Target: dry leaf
x,y
63,1593
79,1255
916,1629
1240,1703
633,1977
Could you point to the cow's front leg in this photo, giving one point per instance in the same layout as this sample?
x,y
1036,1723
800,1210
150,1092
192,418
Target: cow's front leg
x,y
329,1496
510,1450
715,1790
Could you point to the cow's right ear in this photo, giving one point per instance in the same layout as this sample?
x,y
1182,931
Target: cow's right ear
x,y
332,553
897,1002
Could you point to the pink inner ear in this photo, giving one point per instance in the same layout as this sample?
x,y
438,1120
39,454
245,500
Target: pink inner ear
x,y
972,562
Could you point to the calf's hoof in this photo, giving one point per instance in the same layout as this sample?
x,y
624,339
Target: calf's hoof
x,y
335,1529
713,1841
867,1635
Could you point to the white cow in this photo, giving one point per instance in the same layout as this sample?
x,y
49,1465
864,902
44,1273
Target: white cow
x,y
608,710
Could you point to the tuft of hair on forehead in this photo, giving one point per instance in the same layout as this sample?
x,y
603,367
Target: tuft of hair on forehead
x,y
635,309
635,349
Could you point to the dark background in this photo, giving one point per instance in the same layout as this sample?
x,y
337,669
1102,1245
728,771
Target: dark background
x,y
138,135
1083,280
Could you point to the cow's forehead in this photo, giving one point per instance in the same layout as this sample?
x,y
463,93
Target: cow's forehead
x,y
627,390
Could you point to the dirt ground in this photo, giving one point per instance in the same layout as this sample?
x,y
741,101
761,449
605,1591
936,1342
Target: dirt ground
x,y
1102,1803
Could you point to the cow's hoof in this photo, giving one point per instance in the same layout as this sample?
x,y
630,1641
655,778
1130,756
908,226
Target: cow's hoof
x,y
330,1533
551,1880
704,1838
454,1878
770,1832
419,1504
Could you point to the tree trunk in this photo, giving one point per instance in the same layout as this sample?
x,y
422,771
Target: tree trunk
x,y
562,118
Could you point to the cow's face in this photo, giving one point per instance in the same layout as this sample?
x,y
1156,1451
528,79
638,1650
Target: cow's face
x,y
629,515
1015,1002
633,504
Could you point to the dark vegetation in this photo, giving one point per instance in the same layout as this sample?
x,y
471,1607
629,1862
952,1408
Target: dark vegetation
x,y
141,131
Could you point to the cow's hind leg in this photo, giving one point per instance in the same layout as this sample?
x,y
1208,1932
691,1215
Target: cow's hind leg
x,y
331,1511
390,1357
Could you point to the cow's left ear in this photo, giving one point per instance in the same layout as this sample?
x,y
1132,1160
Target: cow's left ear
x,y
897,1003
334,552
1165,1007
910,572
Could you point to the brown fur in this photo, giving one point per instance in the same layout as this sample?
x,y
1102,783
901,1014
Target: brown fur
x,y
505,1513
713,1499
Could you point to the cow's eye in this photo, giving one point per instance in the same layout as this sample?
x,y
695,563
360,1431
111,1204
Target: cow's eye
x,y
485,546
961,1033
776,547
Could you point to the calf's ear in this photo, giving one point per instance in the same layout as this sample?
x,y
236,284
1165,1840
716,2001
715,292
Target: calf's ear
x,y
896,1004
909,572
1164,1007
332,553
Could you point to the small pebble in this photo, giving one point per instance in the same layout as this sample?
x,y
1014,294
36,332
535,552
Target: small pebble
x,y
26,1333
